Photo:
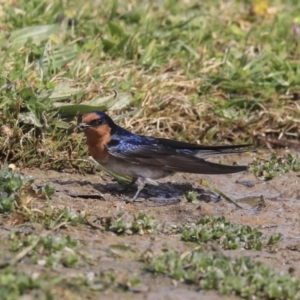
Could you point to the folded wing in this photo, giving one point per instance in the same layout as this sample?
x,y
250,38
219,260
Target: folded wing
x,y
204,151
170,159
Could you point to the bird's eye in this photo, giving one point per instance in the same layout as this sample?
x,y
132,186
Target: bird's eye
x,y
97,122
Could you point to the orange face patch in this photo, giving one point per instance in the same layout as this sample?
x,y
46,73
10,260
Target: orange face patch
x,y
90,117
97,137
96,140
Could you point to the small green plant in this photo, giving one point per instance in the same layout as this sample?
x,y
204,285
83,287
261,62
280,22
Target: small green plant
x,y
143,223
46,191
47,250
53,217
228,235
192,197
15,284
18,284
277,165
240,276
17,190
139,225
11,184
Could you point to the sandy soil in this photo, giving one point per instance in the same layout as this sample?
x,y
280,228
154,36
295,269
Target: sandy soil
x,y
271,206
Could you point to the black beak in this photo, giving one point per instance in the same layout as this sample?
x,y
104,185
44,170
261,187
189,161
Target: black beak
x,y
83,126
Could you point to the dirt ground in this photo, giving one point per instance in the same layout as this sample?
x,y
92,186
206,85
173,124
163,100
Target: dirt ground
x,y
272,207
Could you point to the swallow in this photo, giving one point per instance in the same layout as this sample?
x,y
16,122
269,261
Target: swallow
x,y
146,158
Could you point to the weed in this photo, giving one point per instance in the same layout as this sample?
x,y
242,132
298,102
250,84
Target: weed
x,y
52,217
240,276
17,190
47,250
229,236
277,165
192,197
15,284
140,224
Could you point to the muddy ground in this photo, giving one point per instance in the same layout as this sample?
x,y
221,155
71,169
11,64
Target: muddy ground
x,y
271,206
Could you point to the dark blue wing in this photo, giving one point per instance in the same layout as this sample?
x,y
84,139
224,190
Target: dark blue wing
x,y
147,151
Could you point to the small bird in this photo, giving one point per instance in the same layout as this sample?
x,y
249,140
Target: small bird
x,y
145,158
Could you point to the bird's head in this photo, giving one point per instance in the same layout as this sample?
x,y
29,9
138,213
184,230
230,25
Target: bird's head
x,y
96,123
94,120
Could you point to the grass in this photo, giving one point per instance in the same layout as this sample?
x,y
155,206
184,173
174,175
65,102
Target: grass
x,y
186,70
215,72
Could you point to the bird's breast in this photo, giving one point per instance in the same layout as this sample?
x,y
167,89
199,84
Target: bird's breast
x,y
98,152
97,147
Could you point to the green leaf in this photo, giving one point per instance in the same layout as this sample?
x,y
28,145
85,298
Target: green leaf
x,y
114,8
115,29
107,45
30,118
149,51
27,94
36,34
102,104
112,102
55,57
70,110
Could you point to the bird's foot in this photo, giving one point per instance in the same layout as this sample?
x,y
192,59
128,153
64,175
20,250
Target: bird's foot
x,y
140,181
128,186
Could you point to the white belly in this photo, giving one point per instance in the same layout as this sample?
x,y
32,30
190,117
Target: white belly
x,y
134,170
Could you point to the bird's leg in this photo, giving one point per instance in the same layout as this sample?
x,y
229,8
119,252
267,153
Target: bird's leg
x,y
141,184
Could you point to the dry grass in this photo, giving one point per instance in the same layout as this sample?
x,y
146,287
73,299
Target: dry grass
x,y
206,73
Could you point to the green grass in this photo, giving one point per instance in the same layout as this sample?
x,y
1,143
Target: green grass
x,y
228,74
